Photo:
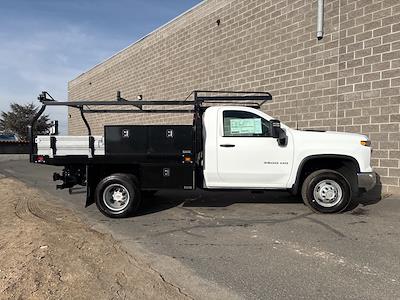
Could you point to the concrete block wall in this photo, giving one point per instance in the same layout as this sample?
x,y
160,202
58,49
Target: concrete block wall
x,y
348,81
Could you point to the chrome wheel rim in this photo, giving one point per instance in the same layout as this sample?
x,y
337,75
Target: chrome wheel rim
x,y
116,197
327,193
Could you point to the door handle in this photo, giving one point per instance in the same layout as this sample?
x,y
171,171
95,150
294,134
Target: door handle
x,y
227,145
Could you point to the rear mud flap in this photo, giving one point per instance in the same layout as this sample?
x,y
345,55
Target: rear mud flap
x,y
89,198
90,187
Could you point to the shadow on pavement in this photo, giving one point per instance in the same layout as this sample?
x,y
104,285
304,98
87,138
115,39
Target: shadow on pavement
x,y
167,200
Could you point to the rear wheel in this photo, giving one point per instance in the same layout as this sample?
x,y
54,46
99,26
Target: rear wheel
x,y
118,196
326,191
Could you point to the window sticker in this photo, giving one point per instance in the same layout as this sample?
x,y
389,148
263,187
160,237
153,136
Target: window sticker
x,y
246,126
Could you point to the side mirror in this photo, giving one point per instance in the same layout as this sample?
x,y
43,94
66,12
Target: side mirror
x,y
276,126
278,133
283,138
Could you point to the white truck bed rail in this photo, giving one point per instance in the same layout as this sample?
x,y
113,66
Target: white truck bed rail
x,y
69,145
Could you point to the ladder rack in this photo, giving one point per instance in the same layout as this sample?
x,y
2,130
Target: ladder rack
x,y
198,104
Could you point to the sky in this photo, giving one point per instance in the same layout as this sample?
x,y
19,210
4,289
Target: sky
x,y
46,43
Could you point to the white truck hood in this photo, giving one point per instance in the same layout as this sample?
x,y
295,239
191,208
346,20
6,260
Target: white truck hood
x,y
328,135
309,143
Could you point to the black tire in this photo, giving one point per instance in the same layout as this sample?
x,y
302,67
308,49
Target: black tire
x,y
320,186
125,186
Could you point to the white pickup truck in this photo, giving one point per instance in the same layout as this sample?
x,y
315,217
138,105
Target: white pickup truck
x,y
227,147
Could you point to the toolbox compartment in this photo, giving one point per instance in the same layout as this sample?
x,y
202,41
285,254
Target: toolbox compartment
x,y
167,176
157,140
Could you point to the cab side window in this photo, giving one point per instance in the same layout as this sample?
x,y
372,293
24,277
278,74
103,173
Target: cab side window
x,y
245,124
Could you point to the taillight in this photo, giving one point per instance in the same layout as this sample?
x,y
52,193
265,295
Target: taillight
x,y
40,159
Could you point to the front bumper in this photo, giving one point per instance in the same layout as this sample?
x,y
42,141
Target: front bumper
x,y
366,180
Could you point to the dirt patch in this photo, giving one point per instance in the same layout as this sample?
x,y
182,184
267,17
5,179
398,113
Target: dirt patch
x,y
47,252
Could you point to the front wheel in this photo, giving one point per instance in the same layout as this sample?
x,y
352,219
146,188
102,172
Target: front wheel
x,y
118,196
326,191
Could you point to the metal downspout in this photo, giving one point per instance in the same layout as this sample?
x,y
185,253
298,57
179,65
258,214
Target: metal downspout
x,y
320,20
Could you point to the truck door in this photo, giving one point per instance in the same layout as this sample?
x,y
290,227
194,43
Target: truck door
x,y
248,156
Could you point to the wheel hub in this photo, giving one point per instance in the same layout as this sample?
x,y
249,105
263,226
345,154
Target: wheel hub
x,y
328,193
116,197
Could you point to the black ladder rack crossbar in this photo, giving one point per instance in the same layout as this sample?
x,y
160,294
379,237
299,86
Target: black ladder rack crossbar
x,y
133,103
200,100
260,97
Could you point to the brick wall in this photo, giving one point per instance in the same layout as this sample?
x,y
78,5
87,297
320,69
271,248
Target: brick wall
x,y
349,81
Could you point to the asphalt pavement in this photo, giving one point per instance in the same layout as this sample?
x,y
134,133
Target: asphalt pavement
x,y
259,246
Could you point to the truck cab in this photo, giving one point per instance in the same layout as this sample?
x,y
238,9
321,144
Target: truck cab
x,y
243,151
